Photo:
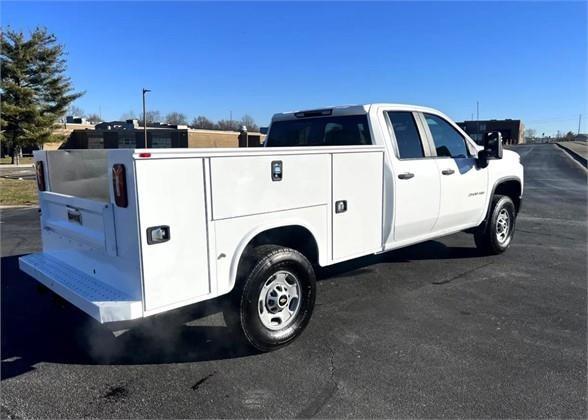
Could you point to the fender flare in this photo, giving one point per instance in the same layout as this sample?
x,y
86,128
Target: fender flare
x,y
496,184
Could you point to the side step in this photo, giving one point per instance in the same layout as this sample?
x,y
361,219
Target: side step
x,y
97,299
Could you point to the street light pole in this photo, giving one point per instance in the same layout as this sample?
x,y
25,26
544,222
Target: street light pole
x,y
145,117
480,136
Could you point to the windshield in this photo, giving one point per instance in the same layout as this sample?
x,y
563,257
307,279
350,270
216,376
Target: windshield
x,y
347,130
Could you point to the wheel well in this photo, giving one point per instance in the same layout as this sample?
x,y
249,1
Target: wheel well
x,y
512,189
295,237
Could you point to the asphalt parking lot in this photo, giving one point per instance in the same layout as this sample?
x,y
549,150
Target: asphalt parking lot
x,y
433,330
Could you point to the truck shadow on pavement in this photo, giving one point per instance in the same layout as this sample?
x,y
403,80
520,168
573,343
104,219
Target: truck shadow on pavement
x,y
39,327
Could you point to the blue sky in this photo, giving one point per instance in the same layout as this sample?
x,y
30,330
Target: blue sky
x,y
520,60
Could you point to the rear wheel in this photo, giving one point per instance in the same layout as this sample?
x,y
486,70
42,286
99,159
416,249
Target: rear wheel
x,y
495,235
274,303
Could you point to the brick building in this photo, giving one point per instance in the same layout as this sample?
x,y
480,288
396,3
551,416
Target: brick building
x,y
512,130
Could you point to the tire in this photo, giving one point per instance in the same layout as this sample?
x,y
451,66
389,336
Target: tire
x,y
495,235
264,307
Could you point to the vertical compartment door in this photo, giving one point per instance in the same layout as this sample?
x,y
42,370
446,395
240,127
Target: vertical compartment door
x,y
357,204
172,199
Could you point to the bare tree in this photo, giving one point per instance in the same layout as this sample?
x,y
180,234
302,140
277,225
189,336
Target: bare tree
x,y
530,133
176,118
76,111
93,118
151,117
227,125
203,123
128,116
249,122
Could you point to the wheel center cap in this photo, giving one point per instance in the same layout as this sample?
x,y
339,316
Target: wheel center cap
x,y
283,300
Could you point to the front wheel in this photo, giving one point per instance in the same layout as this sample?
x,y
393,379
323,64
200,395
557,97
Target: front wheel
x,y
495,236
275,302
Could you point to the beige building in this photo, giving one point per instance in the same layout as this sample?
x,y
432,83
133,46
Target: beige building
x,y
128,134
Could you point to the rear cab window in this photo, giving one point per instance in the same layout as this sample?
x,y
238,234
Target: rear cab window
x,y
348,130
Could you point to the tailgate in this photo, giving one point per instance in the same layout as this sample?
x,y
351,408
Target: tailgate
x,y
79,221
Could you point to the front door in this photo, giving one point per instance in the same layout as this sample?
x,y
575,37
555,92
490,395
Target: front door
x,y
463,184
415,179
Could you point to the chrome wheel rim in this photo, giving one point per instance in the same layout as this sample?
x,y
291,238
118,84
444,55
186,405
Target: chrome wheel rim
x,y
503,226
279,300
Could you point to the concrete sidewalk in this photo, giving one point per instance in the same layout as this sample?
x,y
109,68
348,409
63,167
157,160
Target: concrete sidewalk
x,y
577,149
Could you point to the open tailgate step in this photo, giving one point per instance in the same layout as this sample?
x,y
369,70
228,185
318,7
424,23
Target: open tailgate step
x,y
100,300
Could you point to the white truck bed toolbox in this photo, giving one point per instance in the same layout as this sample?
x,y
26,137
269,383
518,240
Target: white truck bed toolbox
x,y
101,301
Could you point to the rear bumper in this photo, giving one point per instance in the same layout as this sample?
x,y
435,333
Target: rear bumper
x,y
99,300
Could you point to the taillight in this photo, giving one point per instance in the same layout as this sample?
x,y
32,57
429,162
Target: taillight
x,y
40,175
119,185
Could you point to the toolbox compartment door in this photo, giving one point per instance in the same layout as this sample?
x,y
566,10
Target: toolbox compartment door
x,y
171,195
246,185
357,204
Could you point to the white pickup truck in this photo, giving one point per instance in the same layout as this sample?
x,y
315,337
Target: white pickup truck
x,y
128,234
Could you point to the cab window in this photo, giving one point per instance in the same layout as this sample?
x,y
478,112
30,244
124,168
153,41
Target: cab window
x,y
351,130
407,135
448,141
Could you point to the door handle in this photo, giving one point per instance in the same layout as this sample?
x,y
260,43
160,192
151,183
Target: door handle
x,y
406,175
447,171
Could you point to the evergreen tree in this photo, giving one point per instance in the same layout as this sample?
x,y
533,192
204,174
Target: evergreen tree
x,y
35,93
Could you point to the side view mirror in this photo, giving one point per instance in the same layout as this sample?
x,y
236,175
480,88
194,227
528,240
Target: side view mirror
x,y
482,160
493,144
492,148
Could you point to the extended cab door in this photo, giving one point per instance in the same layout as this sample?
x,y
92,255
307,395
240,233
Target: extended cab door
x,y
415,179
463,184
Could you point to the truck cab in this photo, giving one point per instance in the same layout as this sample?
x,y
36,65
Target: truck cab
x,y
435,181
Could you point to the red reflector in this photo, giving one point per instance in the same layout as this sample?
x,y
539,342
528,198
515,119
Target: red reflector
x,y
40,175
119,185
144,154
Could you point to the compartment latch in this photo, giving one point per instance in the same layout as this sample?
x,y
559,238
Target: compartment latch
x,y
157,235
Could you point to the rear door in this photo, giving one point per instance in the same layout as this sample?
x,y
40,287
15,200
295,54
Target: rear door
x,y
463,184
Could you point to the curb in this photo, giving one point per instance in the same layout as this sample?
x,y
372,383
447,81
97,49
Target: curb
x,y
576,156
18,206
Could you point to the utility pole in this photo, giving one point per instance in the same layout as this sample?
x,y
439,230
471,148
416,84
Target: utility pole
x,y
579,123
145,117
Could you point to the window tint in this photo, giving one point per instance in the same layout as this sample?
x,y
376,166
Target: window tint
x,y
448,141
328,131
407,135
